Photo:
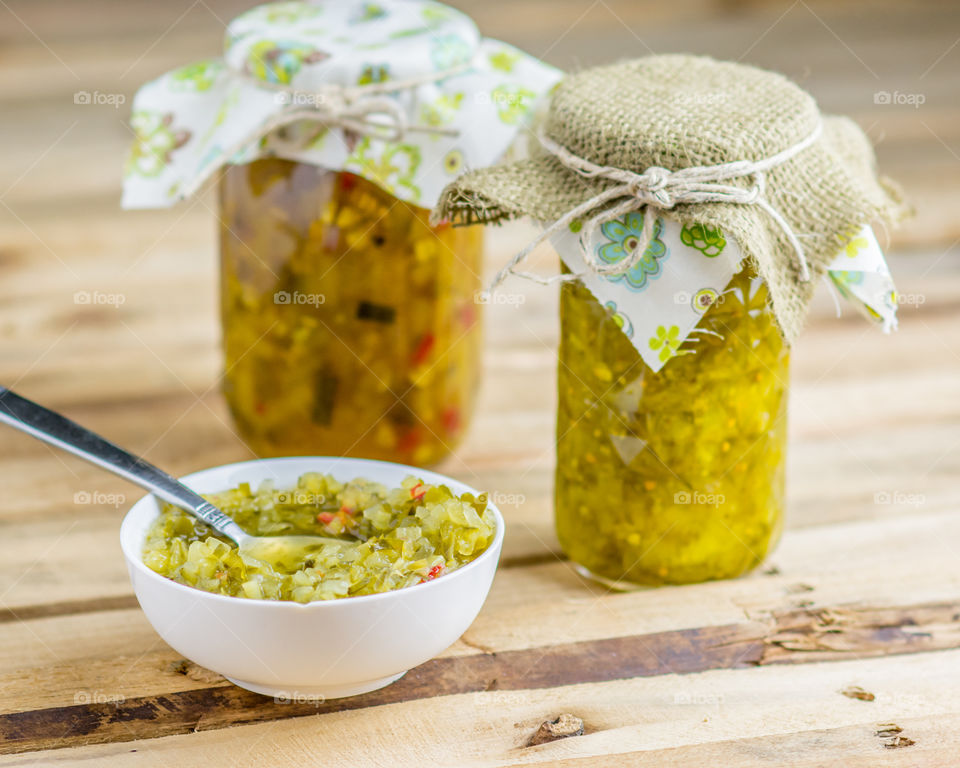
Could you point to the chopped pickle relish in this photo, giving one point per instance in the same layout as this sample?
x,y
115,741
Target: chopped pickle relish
x,y
350,324
673,476
391,538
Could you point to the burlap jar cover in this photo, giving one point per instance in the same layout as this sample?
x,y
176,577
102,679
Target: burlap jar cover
x,y
659,177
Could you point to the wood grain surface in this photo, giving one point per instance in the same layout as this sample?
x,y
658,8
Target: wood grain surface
x,y
863,593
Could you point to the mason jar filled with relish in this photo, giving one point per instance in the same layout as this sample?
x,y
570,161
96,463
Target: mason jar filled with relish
x,y
351,323
694,204
675,475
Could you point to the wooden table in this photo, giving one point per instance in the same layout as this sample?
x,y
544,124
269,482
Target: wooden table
x,y
844,649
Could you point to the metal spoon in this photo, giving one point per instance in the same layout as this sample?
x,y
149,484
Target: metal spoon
x,y
61,432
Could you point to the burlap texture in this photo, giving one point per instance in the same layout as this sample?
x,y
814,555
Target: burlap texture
x,y
680,111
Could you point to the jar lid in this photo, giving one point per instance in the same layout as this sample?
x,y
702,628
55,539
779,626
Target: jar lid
x,y
403,92
658,177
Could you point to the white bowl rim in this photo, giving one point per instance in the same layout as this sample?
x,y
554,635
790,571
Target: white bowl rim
x,y
135,559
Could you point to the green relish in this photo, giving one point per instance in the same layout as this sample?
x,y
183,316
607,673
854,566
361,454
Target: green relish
x,y
350,324
388,538
673,476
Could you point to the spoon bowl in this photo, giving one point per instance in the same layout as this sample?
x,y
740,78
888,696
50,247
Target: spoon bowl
x,y
286,552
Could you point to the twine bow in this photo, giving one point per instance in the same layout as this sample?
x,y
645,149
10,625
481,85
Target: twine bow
x,y
368,116
364,109
658,189
367,110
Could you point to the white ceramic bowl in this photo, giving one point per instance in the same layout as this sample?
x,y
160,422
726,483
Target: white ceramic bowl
x,y
323,649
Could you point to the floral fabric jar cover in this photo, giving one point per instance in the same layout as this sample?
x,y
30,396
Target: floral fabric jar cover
x,y
433,98
659,308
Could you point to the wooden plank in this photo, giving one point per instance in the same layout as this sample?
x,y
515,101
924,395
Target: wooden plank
x,y
929,743
800,636
48,610
220,706
719,712
829,601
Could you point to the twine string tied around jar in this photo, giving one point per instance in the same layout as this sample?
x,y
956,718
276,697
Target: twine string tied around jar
x,y
654,190
366,110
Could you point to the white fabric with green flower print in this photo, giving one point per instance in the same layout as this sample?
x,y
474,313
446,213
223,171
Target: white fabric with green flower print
x,y
660,300
463,99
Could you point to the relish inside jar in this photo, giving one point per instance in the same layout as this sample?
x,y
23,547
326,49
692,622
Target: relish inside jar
x,y
350,325
673,476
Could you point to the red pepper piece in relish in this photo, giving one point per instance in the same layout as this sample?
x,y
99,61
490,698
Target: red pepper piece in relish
x,y
408,441
468,316
451,419
424,348
437,570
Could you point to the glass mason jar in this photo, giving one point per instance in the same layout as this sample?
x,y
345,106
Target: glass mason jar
x,y
349,323
673,476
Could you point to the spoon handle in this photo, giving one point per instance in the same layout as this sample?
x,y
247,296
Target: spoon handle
x,y
61,432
